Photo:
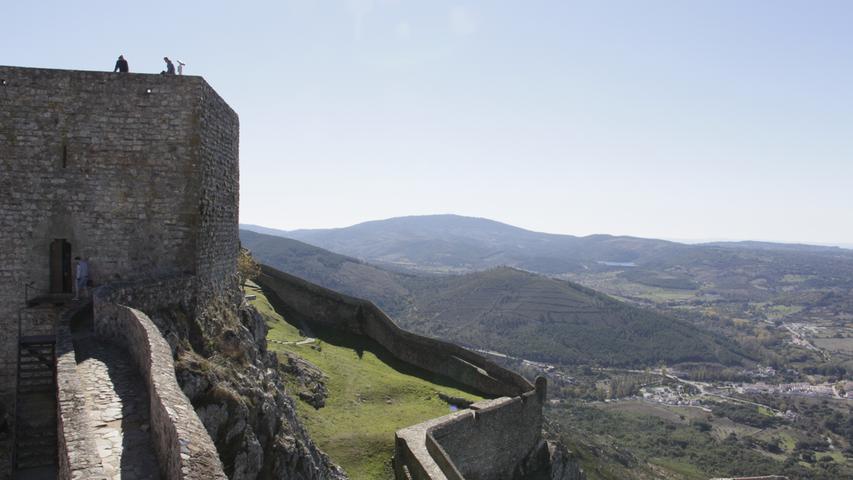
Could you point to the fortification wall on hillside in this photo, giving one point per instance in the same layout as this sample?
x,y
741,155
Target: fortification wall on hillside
x,y
320,306
496,439
498,429
138,173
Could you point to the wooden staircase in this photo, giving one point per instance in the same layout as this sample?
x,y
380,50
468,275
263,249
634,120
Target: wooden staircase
x,y
35,409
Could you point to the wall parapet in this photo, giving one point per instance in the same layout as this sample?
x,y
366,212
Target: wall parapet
x,y
320,306
182,444
506,431
77,452
493,439
151,295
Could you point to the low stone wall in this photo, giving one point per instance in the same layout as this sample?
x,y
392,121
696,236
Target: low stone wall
x,y
493,439
77,452
181,442
314,304
506,433
150,296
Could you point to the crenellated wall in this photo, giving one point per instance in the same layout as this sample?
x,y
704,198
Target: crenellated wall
x,y
498,439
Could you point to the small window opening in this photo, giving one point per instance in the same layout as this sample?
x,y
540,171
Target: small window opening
x,y
64,155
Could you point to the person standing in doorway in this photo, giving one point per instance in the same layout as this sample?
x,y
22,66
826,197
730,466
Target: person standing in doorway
x,y
82,277
170,67
121,65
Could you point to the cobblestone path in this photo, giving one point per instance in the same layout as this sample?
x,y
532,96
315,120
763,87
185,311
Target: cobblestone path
x,y
117,403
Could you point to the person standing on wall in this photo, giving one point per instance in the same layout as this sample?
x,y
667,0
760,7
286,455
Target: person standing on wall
x,y
170,67
121,65
181,66
82,277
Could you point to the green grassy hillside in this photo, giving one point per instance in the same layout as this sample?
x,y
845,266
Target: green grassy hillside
x,y
370,394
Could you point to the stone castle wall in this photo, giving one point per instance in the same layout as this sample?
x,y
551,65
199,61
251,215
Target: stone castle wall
x,y
217,241
137,172
77,451
320,306
494,439
506,432
182,444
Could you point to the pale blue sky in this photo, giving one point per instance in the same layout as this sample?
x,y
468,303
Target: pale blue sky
x,y
674,119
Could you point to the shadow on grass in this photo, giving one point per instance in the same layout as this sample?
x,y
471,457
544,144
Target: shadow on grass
x,y
361,344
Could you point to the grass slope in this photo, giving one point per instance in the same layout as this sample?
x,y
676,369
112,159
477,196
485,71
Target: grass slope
x,y
370,395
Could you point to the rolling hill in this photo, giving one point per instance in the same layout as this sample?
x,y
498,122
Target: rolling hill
x,y
715,285
506,310
444,243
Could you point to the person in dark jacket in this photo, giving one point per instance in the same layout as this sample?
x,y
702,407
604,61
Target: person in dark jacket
x,y
121,65
170,67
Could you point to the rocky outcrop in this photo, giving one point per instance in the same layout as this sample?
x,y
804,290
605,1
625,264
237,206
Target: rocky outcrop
x,y
236,386
564,465
309,378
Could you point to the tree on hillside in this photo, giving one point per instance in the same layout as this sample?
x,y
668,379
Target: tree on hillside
x,y
247,267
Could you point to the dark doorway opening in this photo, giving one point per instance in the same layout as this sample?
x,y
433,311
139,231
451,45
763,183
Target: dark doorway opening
x,y
60,266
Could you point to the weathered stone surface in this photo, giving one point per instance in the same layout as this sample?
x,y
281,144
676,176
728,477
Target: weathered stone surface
x,y
492,439
182,445
312,385
240,400
118,409
564,466
140,174
312,303
78,453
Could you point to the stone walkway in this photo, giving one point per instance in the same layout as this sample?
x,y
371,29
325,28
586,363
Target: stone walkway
x,y
117,403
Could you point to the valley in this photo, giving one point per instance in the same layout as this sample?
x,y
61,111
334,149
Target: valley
x,y
664,360
507,310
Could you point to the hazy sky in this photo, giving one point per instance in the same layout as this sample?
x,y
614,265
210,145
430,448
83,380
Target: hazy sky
x,y
675,119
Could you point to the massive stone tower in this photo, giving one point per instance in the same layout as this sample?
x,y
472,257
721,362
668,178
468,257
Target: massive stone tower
x,y
138,174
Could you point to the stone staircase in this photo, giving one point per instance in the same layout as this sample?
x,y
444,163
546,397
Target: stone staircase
x,y
35,412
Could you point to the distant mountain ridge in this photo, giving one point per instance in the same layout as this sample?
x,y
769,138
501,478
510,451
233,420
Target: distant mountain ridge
x,y
452,243
505,309
793,247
